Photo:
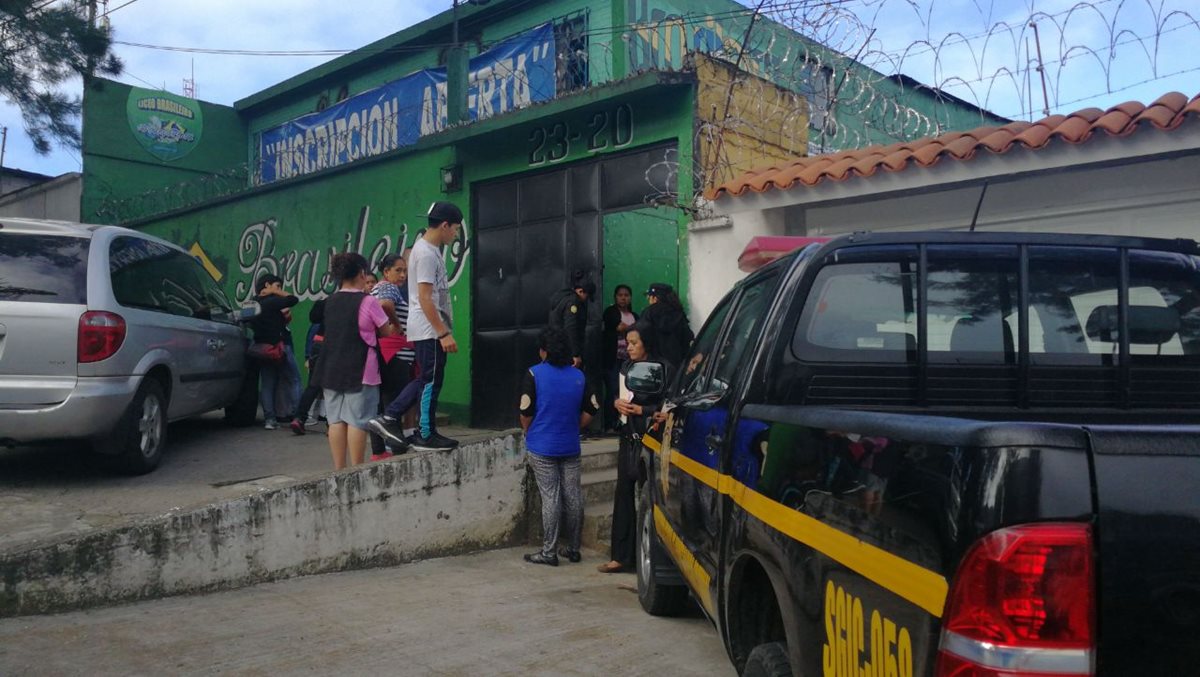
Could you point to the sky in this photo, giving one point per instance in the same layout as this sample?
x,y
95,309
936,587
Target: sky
x,y
1096,53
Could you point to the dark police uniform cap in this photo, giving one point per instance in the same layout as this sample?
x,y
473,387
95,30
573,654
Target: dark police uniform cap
x,y
658,289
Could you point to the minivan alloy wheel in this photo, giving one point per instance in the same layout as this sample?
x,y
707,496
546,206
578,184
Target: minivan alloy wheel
x,y
150,425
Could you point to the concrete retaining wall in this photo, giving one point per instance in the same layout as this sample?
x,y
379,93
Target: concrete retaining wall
x,y
414,507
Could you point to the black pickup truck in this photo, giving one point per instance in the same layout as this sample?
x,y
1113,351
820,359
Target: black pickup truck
x,y
939,454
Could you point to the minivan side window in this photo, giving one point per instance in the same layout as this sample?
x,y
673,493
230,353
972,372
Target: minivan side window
x,y
219,307
153,276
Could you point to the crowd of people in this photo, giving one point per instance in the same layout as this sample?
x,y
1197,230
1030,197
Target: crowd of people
x,y
375,368
558,402
376,355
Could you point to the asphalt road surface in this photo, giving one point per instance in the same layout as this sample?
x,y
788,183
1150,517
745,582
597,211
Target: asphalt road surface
x,y
484,614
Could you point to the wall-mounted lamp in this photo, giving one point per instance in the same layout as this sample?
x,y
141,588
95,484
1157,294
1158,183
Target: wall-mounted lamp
x,y
452,179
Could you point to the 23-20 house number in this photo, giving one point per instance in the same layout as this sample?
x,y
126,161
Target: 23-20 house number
x,y
612,128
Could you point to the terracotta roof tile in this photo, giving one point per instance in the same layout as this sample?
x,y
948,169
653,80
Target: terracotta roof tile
x,y
1166,114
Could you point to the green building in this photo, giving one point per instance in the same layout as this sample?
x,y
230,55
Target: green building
x,y
575,135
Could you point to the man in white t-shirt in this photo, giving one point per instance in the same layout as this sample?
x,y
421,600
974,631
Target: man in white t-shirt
x,y
430,328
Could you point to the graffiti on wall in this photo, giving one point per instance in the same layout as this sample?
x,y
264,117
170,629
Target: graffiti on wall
x,y
305,272
661,37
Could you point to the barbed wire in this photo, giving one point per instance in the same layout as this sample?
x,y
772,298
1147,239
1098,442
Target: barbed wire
x,y
817,77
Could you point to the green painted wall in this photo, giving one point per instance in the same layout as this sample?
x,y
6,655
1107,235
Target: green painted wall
x,y
293,230
599,20
640,247
872,109
116,166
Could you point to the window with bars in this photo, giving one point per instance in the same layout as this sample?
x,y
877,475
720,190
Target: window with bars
x,y
571,52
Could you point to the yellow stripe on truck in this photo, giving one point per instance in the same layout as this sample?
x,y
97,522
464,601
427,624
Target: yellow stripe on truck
x,y
923,587
692,570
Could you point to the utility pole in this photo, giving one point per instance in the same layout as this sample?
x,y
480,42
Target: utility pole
x,y
457,68
1041,70
91,64
3,144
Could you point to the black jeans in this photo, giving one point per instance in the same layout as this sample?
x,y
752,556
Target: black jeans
x,y
310,394
423,389
394,376
624,519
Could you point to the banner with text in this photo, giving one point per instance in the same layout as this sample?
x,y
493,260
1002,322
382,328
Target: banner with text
x,y
511,75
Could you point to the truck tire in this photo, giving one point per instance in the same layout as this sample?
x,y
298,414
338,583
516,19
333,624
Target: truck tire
x,y
243,411
657,598
140,436
768,660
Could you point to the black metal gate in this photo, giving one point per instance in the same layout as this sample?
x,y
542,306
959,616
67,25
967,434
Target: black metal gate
x,y
531,232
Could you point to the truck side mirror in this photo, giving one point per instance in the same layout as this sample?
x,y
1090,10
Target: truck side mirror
x,y
646,378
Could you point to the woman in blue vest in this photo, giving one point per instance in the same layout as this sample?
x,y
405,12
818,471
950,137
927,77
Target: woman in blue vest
x,y
556,403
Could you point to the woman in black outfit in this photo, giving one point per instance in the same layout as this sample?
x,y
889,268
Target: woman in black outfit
x,y
639,413
618,318
666,323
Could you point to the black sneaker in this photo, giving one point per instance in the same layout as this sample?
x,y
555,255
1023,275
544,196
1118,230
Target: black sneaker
x,y
389,429
572,556
539,558
434,442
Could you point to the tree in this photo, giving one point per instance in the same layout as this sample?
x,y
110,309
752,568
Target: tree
x,y
43,44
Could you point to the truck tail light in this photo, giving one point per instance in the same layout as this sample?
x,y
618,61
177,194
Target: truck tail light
x,y
1022,603
100,335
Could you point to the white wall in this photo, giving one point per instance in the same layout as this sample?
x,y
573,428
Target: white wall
x,y
1159,198
57,199
1155,198
713,257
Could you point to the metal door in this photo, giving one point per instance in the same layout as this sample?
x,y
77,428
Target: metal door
x,y
531,232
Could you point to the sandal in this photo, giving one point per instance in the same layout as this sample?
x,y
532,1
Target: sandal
x,y
613,567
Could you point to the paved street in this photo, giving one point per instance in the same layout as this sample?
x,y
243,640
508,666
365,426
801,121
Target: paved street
x,y
488,613
48,492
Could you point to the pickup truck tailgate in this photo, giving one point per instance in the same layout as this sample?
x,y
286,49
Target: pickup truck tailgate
x,y
1148,495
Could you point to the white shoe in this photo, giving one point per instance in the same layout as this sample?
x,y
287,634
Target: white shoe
x,y
270,425
312,421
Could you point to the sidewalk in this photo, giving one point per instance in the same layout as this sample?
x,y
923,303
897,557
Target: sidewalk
x,y
48,493
488,613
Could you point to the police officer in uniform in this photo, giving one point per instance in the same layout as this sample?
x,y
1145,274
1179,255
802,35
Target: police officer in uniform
x,y
569,312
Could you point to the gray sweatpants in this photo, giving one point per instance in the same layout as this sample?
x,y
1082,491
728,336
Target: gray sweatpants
x,y
558,480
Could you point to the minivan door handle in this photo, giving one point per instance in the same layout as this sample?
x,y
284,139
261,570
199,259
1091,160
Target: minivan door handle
x,y
213,344
714,442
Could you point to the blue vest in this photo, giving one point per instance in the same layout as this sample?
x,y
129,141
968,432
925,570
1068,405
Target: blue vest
x,y
555,427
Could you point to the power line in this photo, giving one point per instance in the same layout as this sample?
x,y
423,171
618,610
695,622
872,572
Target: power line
x,y
1126,87
607,30
130,2
151,84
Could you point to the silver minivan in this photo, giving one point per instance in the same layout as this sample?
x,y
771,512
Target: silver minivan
x,y
107,334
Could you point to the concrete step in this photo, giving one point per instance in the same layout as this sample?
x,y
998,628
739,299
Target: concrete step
x,y
597,526
598,458
599,486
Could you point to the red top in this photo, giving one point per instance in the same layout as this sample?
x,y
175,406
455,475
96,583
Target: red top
x,y
764,249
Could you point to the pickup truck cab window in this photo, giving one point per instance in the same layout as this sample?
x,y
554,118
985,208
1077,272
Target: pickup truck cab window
x,y
743,333
693,372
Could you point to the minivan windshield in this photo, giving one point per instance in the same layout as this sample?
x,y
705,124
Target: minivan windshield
x,y
43,268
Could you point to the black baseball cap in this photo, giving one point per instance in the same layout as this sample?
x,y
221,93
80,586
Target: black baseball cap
x,y
445,211
658,289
